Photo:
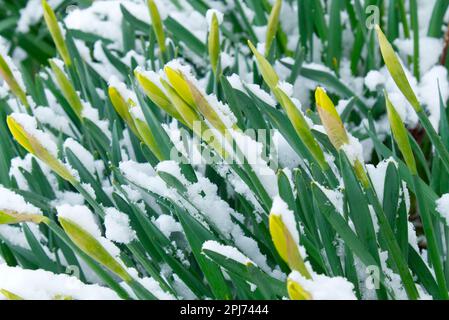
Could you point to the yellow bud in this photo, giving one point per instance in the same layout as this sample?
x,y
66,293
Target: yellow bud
x,y
8,76
180,85
12,217
156,22
32,145
148,138
286,245
395,68
400,135
156,95
122,108
296,291
203,106
214,43
67,89
266,69
330,119
188,115
93,248
272,27
56,34
9,295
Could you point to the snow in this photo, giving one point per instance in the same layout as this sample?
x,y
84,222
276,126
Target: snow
x,y
117,226
83,155
44,285
48,116
322,287
373,79
353,150
210,13
227,251
167,225
377,176
442,206
10,201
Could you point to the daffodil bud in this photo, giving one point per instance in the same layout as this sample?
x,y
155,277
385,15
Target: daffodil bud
x,y
144,131
296,291
156,22
285,236
272,27
301,127
400,135
66,87
9,295
188,115
56,34
180,85
14,209
88,238
395,68
13,84
203,106
214,42
330,119
266,69
156,94
11,217
23,128
122,108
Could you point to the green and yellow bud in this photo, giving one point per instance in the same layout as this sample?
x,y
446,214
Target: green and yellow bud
x,y
396,71
12,217
9,295
93,248
301,127
296,291
156,22
203,107
285,244
122,108
214,43
35,147
67,89
56,34
272,27
266,69
186,112
400,135
145,134
13,84
156,95
330,119
180,85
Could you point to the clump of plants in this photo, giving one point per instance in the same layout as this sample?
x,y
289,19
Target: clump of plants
x,y
242,149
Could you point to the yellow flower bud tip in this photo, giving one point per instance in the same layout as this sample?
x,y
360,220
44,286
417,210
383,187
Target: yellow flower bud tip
x,y
396,70
24,130
272,26
330,119
296,291
156,22
9,295
6,71
214,42
285,237
56,33
266,69
179,83
91,244
400,135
